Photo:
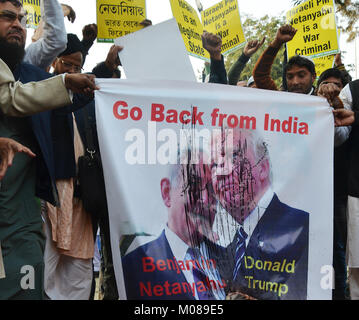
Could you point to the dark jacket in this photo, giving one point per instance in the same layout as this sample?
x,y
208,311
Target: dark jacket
x,y
63,137
353,150
63,129
41,124
280,237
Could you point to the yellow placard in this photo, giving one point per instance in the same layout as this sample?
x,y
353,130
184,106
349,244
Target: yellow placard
x,y
190,27
117,18
323,63
224,20
317,30
33,10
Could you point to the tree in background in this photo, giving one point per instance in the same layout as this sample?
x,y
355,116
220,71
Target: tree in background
x,y
256,29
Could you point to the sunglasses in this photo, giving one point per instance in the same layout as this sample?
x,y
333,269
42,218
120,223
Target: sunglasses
x,y
11,16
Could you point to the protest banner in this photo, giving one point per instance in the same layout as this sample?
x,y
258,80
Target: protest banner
x,y
33,10
118,18
190,27
156,52
190,168
224,20
317,33
323,63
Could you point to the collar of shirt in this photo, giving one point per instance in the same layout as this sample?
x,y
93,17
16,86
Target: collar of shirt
x,y
178,246
311,91
252,220
346,97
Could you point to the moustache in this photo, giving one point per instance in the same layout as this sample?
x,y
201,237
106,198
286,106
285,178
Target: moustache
x,y
297,88
16,31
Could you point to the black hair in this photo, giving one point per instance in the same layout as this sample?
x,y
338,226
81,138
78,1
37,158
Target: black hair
x,y
16,3
301,62
335,73
73,45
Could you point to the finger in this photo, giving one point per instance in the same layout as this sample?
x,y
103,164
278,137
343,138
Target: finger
x,y
90,84
3,169
28,152
10,157
87,91
119,48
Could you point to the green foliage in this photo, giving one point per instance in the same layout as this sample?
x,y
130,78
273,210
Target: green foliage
x,y
257,29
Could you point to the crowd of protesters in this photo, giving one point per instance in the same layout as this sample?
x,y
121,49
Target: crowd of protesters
x,y
43,133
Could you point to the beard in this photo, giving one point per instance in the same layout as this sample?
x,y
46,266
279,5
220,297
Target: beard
x,y
11,53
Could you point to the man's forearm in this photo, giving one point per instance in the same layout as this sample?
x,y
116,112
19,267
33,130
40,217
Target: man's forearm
x,y
236,69
54,40
263,67
218,72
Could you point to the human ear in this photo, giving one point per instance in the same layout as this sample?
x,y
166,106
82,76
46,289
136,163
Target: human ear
x,y
165,192
264,170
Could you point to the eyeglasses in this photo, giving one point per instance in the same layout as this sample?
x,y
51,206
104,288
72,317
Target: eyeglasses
x,y
70,65
11,16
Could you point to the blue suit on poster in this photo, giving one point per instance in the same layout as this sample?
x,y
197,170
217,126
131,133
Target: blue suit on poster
x,y
275,263
136,279
151,272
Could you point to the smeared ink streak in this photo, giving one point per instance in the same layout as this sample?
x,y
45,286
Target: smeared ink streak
x,y
193,192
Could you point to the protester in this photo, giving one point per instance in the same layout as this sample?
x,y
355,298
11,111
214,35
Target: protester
x,y
50,36
300,71
338,64
249,50
8,149
336,79
70,242
21,234
109,67
68,12
89,35
105,69
300,76
17,99
213,44
344,117
348,116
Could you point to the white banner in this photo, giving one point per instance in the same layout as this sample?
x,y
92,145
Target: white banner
x,y
217,191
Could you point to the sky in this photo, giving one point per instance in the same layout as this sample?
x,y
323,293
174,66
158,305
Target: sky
x,y
160,10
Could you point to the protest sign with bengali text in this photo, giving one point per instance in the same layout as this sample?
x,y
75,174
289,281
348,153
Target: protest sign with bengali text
x,y
118,18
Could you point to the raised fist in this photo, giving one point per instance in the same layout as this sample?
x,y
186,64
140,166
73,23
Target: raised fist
x,y
284,34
